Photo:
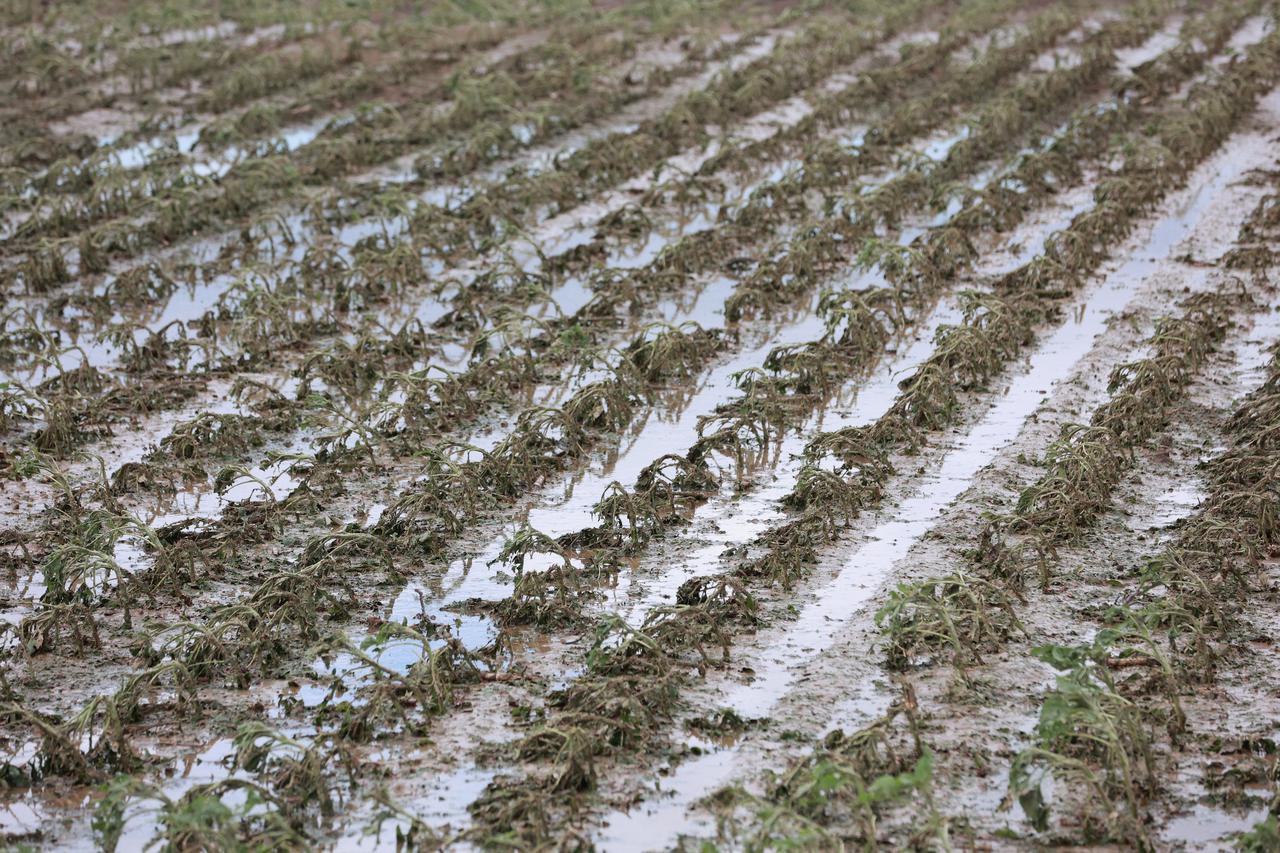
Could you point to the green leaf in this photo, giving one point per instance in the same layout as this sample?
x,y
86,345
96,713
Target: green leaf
x,y
892,787
1061,658
1033,804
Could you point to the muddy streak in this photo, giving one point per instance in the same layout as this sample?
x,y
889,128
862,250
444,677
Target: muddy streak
x,y
1164,39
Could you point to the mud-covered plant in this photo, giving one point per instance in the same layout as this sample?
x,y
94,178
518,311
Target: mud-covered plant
x,y
1264,836
527,542
84,747
837,792
1140,639
231,814
828,791
1084,466
84,567
412,832
547,598
571,750
296,772
631,517
45,629
960,615
391,695
698,629
620,649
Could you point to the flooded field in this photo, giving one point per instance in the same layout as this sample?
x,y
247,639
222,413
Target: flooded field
x,y
640,426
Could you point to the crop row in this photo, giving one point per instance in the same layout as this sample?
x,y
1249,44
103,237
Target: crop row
x,y
386,264
362,145
634,673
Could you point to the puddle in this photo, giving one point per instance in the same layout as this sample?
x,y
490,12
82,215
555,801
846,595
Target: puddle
x,y
1171,506
1165,38
1210,828
196,766
443,807
1253,358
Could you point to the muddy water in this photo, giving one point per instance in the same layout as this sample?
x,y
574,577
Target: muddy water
x,y
741,517
480,578
639,449
185,141
1163,39
863,574
198,765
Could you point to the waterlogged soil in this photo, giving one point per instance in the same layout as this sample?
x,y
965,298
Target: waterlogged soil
x,y
818,666
815,661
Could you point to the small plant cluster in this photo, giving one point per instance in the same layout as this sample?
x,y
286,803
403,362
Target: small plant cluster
x,y
280,794
834,796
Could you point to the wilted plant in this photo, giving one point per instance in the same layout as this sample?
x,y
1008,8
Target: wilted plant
x,y
1089,734
960,614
